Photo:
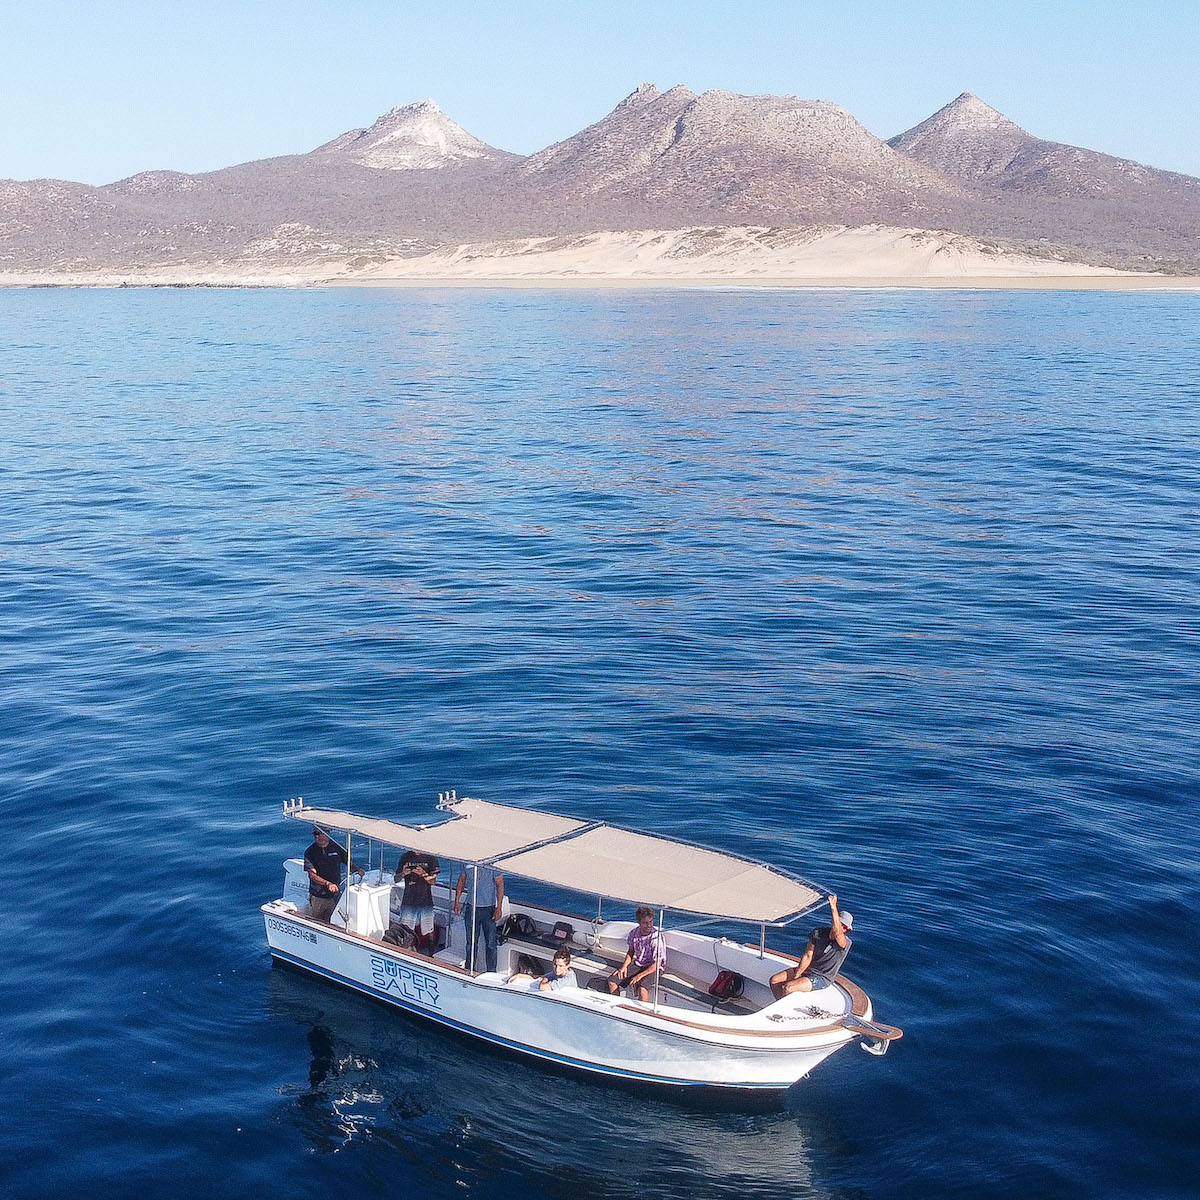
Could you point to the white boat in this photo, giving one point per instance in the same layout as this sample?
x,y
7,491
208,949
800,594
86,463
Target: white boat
x,y
681,1037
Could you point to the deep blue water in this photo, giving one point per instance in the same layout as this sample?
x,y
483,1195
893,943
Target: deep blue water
x,y
898,590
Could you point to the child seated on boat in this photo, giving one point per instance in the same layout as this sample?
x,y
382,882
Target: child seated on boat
x,y
561,975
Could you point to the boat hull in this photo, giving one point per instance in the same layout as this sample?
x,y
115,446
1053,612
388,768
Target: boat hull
x,y
585,1030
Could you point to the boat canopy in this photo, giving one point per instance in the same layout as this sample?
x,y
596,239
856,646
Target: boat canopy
x,y
651,870
593,857
489,830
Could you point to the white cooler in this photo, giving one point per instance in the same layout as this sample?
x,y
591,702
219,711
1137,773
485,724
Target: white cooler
x,y
366,908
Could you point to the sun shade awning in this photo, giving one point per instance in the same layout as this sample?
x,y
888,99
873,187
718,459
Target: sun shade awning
x,y
487,831
664,874
591,857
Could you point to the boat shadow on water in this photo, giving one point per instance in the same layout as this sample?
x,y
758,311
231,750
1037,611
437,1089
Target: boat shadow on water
x,y
454,1110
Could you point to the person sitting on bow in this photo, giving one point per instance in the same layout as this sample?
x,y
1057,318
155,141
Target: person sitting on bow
x,y
827,948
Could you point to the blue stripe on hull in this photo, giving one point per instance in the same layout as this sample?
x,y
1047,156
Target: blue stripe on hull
x,y
547,1055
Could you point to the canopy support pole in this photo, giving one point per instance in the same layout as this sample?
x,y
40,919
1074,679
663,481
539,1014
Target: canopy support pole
x,y
474,910
762,940
662,913
344,898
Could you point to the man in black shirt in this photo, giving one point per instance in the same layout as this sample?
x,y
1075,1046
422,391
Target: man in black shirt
x,y
323,861
828,946
418,872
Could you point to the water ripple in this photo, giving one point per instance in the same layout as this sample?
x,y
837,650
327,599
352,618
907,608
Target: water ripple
x,y
898,590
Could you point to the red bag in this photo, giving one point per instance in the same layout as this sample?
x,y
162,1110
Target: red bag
x,y
728,985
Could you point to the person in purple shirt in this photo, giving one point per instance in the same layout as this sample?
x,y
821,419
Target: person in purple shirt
x,y
646,954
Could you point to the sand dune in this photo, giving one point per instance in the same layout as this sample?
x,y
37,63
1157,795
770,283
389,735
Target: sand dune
x,y
869,256
825,253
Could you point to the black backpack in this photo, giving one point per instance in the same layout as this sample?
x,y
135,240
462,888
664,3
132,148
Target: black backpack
x,y
517,925
400,935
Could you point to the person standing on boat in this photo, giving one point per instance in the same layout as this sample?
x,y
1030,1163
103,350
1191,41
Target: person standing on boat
x,y
827,948
645,955
418,872
323,861
482,916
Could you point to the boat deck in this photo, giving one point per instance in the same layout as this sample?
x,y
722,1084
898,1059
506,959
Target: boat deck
x,y
597,949
593,964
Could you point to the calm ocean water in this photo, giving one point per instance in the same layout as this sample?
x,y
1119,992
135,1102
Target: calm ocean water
x,y
897,590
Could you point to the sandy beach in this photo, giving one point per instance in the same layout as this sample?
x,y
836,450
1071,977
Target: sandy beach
x,y
868,256
1078,283
874,256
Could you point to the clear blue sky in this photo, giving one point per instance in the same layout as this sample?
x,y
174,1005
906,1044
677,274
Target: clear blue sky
x,y
97,91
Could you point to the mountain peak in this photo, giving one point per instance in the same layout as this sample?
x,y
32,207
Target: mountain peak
x,y
405,112
642,94
763,153
620,144
967,111
417,136
966,116
965,139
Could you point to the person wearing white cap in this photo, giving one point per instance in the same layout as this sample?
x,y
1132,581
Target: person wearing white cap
x,y
323,861
827,948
